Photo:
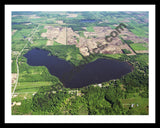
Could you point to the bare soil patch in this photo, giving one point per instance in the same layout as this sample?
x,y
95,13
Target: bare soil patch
x,y
60,22
49,43
92,40
14,31
62,36
71,36
14,77
55,33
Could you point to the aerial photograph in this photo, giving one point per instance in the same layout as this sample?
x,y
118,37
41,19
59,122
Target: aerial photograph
x,y
79,63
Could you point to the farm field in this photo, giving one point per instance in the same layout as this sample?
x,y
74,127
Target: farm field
x,y
139,46
79,38
30,87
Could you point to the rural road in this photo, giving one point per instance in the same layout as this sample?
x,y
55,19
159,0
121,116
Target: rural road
x,y
30,35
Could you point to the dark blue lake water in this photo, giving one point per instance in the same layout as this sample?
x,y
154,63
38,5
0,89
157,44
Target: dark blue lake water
x,y
98,71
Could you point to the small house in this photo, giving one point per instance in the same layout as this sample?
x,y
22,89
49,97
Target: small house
x,y
132,105
18,103
100,85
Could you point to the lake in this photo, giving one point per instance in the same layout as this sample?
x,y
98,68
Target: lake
x,y
100,70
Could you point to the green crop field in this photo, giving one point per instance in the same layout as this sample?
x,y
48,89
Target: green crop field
x,y
139,46
31,86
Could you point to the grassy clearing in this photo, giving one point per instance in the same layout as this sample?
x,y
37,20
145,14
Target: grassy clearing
x,y
31,86
90,29
20,34
141,109
21,96
56,43
79,57
81,34
115,56
139,46
69,56
39,43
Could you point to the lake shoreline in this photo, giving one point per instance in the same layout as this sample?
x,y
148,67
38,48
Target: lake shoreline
x,y
97,71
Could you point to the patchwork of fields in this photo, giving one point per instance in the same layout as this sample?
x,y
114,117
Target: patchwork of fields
x,y
79,37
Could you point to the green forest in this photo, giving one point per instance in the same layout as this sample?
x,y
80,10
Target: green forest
x,y
110,99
